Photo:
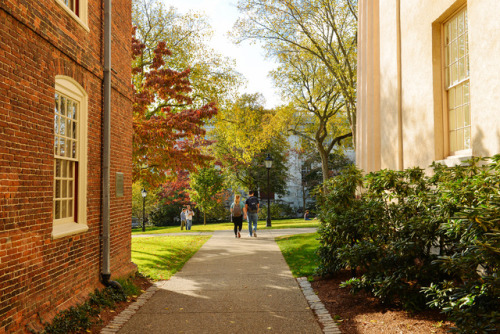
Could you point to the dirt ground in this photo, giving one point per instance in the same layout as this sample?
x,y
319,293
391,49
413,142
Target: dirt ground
x,y
364,314
355,314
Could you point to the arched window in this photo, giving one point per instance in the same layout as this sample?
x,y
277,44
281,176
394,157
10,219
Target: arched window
x,y
70,158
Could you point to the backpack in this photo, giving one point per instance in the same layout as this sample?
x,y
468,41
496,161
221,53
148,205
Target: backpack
x,y
237,210
252,204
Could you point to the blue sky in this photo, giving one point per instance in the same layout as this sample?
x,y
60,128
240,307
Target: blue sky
x,y
250,59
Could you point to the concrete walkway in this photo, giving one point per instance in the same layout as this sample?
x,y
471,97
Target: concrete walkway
x,y
229,286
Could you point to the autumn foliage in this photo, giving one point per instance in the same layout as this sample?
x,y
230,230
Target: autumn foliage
x,y
168,133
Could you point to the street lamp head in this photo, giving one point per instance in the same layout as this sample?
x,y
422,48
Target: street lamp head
x,y
268,161
144,193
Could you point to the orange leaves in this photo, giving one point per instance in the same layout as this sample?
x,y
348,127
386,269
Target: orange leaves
x,y
168,135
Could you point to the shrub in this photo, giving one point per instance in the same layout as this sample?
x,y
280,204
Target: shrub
x,y
82,317
413,239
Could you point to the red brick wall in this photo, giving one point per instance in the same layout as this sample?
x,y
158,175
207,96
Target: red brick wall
x,y
39,40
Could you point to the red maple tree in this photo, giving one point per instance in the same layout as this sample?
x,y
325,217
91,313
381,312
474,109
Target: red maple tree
x,y
168,134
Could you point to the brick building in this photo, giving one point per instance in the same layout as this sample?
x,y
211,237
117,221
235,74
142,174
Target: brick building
x,y
52,160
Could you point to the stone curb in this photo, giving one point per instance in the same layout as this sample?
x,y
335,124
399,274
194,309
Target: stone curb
x,y
324,317
121,319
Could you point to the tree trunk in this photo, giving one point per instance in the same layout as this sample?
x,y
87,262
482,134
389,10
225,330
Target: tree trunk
x,y
324,164
204,218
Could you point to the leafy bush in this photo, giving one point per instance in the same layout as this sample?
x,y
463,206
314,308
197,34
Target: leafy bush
x,y
81,318
165,215
413,239
278,211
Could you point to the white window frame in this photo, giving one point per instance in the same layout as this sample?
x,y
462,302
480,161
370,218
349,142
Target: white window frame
x,y
452,157
82,17
70,88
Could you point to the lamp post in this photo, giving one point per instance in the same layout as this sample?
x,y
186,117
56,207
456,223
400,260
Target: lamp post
x,y
269,163
144,193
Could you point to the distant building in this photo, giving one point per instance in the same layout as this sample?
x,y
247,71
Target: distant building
x,y
51,155
428,83
297,170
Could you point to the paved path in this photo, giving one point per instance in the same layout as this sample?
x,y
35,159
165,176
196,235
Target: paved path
x,y
229,286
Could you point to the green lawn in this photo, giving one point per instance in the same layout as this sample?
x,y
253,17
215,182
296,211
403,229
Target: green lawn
x,y
299,252
161,257
276,224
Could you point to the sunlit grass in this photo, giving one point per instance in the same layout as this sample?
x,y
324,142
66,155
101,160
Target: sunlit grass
x,y
276,224
161,257
299,252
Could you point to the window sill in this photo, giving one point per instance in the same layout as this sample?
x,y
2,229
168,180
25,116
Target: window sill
x,y
66,229
457,160
73,15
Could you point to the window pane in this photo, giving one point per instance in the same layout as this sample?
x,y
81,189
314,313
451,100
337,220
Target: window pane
x,y
467,70
467,138
64,188
452,119
460,21
466,92
461,69
75,106
57,189
63,209
57,209
458,96
61,147
69,128
460,117
68,148
454,52
460,139
453,141
56,146
64,168
74,130
453,27
451,98
73,150
447,34
62,130
63,106
461,46
56,124
466,115
454,73
58,168
70,208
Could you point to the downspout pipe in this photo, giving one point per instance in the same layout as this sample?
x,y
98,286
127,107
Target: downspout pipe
x,y
106,150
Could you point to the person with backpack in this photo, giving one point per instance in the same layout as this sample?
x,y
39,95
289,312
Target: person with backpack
x,y
252,212
237,215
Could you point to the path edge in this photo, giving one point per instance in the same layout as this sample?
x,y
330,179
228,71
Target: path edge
x,y
324,317
121,319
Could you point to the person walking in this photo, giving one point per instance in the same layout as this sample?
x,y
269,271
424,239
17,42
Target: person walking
x,y
183,218
237,215
189,217
252,212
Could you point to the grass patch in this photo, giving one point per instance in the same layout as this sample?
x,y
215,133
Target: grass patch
x,y
161,257
299,252
276,224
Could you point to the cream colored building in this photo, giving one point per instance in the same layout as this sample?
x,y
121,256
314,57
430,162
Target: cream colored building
x,y
428,82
